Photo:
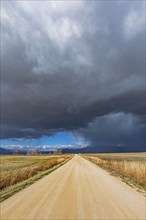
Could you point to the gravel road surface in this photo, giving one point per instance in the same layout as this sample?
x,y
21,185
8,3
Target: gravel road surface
x,y
77,190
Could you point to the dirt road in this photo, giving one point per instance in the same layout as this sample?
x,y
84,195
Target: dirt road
x,y
77,190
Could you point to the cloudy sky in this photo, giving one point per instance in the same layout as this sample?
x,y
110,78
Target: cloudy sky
x,y
73,70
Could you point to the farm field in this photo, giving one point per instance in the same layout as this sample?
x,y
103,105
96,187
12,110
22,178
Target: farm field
x,y
77,190
17,172
130,167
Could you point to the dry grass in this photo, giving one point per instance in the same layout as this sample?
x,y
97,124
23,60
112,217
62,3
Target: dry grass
x,y
130,167
15,169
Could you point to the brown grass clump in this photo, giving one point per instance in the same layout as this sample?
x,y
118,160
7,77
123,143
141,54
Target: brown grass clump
x,y
130,170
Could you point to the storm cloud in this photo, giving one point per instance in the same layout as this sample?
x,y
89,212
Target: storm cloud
x,y
115,129
74,66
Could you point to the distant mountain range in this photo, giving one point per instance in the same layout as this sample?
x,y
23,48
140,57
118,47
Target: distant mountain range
x,y
21,151
103,149
5,151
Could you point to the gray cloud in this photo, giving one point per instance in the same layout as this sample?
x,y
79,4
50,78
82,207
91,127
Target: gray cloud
x,y
115,129
66,64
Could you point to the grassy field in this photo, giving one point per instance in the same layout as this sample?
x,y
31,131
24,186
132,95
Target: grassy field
x,y
17,172
130,167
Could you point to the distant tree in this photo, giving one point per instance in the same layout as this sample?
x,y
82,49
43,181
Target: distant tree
x,y
32,151
16,150
58,151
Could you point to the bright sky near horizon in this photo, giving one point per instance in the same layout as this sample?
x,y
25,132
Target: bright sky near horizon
x,y
62,138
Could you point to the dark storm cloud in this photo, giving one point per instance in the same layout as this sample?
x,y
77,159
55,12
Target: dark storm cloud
x,y
64,64
115,129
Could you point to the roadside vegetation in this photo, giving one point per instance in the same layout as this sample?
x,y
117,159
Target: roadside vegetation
x,y
17,172
130,167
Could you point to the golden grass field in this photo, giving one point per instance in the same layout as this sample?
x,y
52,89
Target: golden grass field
x,y
19,171
130,167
